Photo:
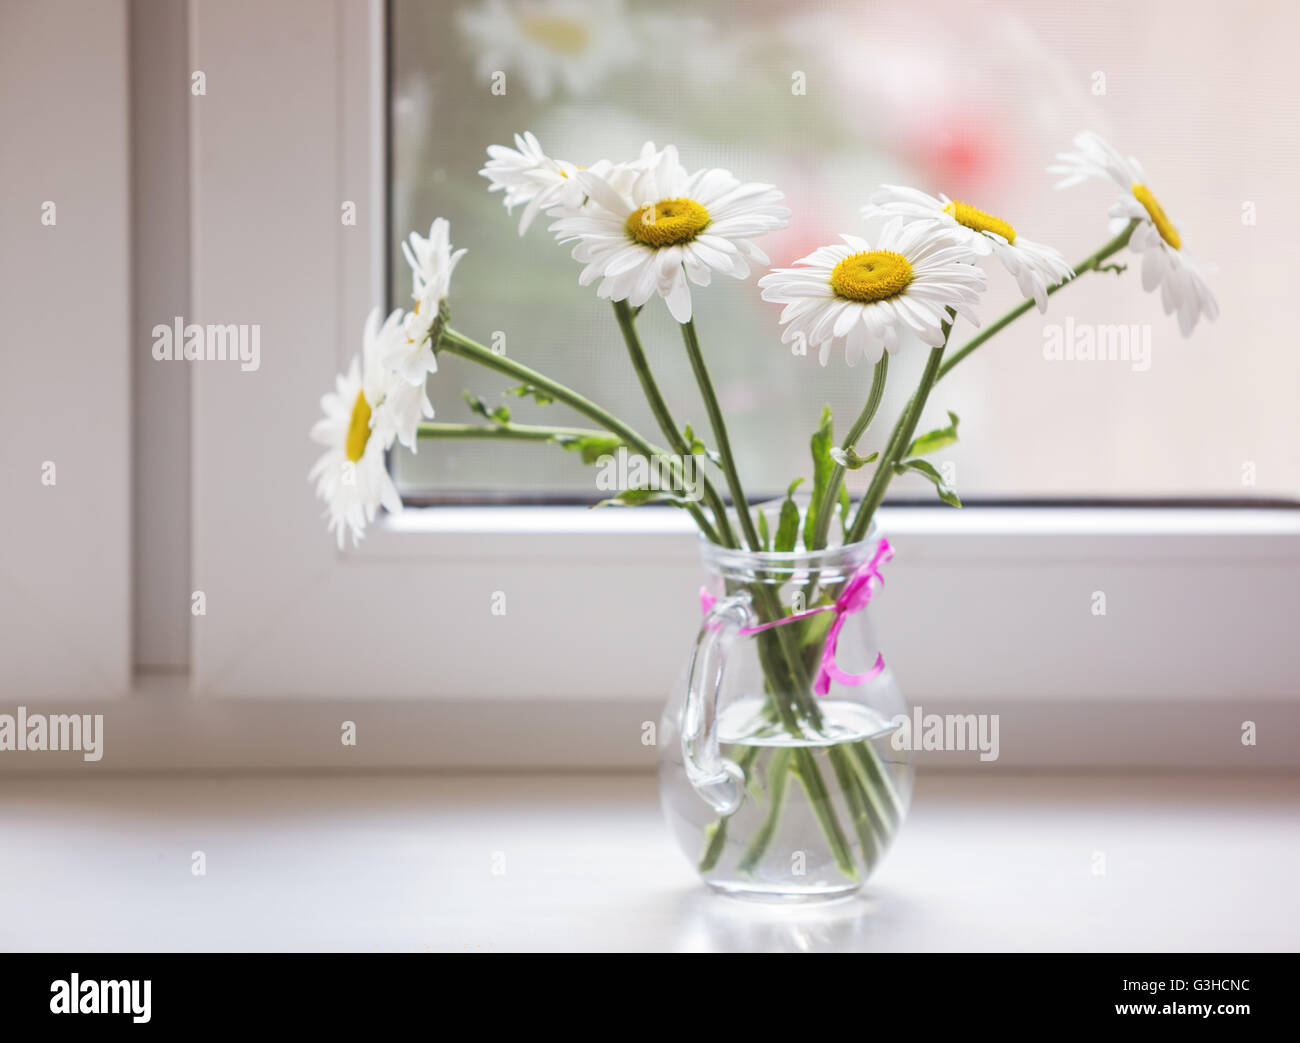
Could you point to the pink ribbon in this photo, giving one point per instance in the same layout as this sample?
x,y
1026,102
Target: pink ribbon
x,y
854,598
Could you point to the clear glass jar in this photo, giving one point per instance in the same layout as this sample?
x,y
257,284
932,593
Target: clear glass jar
x,y
774,791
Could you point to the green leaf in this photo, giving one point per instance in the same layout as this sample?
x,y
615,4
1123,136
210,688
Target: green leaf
x,y
764,535
850,460
530,391
698,448
822,467
787,526
946,493
591,447
936,439
499,416
845,505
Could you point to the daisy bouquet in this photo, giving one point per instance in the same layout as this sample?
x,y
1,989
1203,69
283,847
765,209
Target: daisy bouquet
x,y
648,232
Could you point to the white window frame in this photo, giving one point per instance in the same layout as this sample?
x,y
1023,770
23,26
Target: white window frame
x,y
65,579
984,606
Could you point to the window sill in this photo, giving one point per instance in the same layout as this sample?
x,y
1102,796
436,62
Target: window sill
x,y
1209,531
588,865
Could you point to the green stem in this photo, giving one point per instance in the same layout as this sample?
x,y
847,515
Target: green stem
x,y
873,844
717,842
826,509
720,437
463,347
820,801
663,415
899,440
766,601
1091,263
718,831
907,422
888,808
778,777
506,432
873,804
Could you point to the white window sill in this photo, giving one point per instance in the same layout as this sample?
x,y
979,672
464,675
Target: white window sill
x,y
1208,532
406,863
650,520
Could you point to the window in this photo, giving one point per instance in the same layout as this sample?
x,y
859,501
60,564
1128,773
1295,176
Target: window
x,y
245,184
827,100
405,621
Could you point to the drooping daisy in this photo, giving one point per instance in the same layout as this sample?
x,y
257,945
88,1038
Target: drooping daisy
x,y
530,177
403,408
405,401
545,43
650,229
432,260
351,476
1181,278
1034,266
869,296
432,263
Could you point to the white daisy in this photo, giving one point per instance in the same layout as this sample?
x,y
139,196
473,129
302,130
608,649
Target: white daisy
x,y
351,476
432,263
650,227
1034,266
1181,278
868,295
576,43
403,401
403,408
530,177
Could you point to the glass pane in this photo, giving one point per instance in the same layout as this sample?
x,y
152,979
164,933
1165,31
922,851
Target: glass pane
x,y
973,100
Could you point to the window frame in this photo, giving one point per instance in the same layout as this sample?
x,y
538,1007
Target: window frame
x,y
65,578
600,605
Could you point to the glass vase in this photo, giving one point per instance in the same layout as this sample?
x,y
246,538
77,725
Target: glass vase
x,y
777,774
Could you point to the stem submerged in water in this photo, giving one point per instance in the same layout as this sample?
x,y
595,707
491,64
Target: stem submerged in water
x,y
805,767
717,833
778,776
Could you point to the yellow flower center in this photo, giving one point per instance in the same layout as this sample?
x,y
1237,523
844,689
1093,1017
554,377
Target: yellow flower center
x,y
967,215
1158,216
566,35
358,428
872,275
668,222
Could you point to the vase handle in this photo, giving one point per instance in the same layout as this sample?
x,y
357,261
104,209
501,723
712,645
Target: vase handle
x,y
719,781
